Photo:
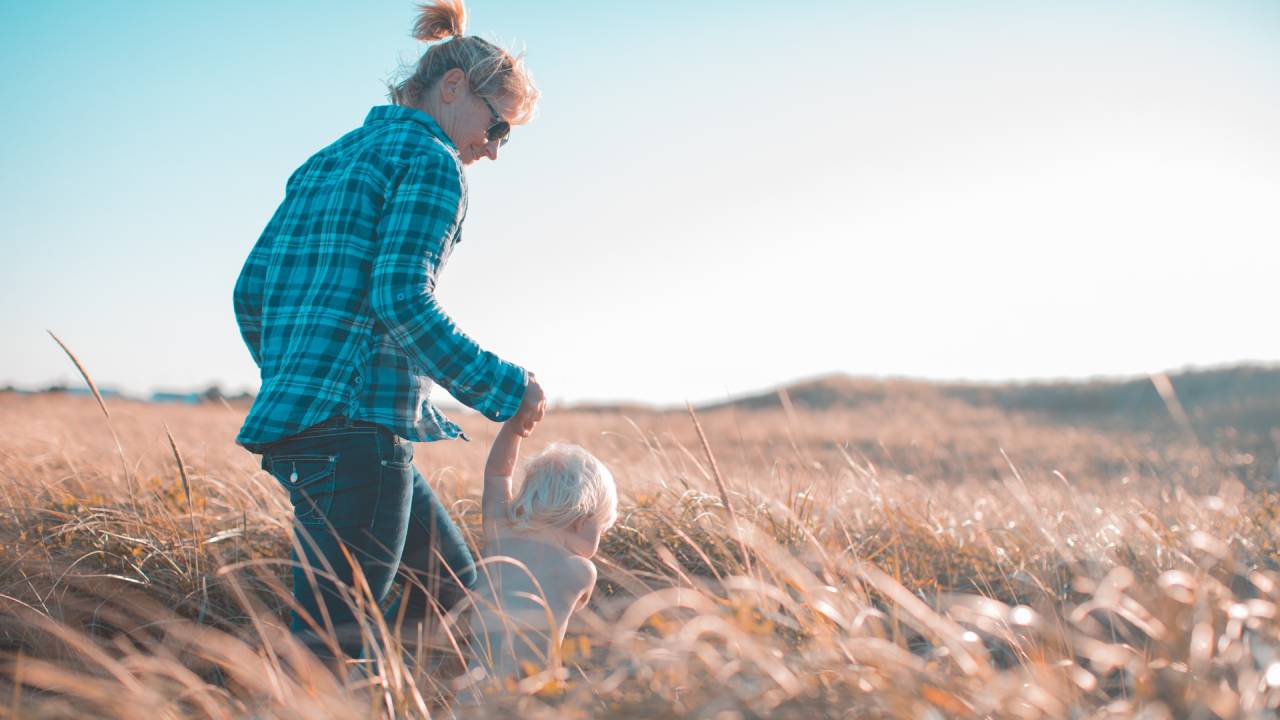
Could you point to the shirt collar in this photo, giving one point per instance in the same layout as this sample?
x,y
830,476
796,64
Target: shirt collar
x,y
386,113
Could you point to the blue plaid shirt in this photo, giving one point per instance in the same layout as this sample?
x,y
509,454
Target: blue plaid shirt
x,y
337,299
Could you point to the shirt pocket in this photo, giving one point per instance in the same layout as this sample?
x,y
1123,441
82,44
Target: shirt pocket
x,y
311,482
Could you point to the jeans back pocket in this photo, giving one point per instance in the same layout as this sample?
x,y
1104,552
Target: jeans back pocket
x,y
310,480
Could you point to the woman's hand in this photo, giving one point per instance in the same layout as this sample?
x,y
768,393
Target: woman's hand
x,y
532,407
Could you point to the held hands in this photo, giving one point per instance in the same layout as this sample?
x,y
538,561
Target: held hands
x,y
506,450
501,464
532,407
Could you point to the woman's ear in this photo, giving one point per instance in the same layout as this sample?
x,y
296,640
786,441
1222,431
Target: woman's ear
x,y
451,85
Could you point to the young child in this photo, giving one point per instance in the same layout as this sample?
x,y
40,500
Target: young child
x,y
535,569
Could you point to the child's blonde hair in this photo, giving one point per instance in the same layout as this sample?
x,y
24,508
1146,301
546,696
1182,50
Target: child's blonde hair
x,y
562,484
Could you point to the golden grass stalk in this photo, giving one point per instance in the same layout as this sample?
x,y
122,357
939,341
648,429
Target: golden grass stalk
x,y
128,476
720,486
1028,597
186,490
1164,386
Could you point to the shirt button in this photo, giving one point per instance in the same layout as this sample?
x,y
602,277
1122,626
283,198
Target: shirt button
x,y
399,296
359,379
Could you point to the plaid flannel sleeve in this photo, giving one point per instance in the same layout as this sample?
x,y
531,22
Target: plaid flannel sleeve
x,y
247,300
421,214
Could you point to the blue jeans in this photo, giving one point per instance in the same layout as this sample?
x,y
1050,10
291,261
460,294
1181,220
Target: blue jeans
x,y
353,485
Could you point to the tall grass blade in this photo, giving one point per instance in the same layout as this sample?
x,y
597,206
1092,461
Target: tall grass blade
x,y
1164,386
83,373
720,486
186,489
128,476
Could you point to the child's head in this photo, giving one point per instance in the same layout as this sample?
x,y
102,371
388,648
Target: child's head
x,y
567,488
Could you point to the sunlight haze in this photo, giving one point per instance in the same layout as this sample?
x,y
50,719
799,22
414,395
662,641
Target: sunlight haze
x,y
714,198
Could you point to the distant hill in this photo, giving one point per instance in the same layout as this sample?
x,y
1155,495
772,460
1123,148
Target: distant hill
x,y
1244,398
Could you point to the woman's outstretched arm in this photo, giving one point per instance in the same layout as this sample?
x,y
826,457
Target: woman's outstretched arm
x,y
419,217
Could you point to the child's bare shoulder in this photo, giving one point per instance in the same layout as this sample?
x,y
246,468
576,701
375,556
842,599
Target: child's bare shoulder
x,y
582,571
499,525
499,533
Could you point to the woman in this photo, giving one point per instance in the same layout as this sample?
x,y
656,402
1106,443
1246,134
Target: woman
x,y
336,304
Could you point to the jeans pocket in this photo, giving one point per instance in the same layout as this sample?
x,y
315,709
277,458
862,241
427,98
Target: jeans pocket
x,y
311,481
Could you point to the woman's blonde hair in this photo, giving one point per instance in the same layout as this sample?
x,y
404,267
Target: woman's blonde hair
x,y
491,71
562,484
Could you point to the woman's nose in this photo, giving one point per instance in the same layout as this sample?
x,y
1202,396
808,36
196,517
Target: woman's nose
x,y
491,149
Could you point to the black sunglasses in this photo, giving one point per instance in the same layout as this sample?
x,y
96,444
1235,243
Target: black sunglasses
x,y
500,129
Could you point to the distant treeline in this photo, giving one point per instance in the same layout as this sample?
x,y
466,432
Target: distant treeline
x,y
213,393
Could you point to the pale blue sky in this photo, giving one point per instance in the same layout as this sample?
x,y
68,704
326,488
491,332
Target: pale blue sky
x,y
714,198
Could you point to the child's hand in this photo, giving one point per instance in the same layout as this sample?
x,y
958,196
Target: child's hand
x,y
532,407
514,427
501,464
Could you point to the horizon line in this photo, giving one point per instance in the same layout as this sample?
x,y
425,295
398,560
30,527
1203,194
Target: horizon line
x,y
177,395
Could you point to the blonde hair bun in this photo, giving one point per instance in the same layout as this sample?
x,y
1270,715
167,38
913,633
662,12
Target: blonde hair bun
x,y
440,19
491,71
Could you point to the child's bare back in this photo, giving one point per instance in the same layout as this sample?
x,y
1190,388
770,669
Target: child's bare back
x,y
535,569
519,622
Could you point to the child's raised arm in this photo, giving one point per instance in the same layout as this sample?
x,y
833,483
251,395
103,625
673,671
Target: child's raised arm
x,y
498,470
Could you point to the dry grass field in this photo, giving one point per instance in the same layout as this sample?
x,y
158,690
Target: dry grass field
x,y
915,557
